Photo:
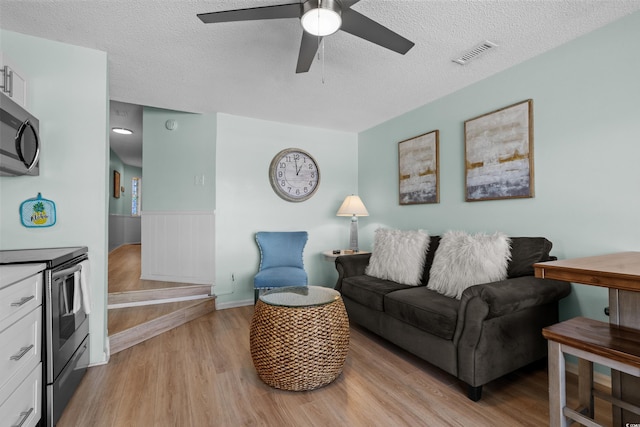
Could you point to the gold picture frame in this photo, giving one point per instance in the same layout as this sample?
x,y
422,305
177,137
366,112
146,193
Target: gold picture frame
x,y
116,184
419,169
499,154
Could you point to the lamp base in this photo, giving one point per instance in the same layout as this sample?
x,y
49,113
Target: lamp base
x,y
353,234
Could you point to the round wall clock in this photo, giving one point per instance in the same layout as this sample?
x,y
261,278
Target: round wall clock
x,y
294,175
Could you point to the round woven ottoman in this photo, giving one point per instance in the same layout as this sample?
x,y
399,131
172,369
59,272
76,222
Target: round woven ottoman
x,y
299,337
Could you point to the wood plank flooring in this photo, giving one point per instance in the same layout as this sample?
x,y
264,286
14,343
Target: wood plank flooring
x,y
158,306
201,374
125,269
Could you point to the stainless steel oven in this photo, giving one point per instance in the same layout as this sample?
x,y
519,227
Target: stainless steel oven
x,y
66,329
65,323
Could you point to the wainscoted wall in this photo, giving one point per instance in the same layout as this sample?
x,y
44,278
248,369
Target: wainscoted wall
x,y
178,247
123,230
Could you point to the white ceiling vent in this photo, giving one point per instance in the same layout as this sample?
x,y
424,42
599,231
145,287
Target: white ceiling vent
x,y
475,52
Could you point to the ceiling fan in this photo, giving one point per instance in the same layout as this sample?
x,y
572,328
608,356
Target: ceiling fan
x,y
319,18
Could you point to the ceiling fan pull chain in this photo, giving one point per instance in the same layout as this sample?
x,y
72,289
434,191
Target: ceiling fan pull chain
x,y
319,37
322,61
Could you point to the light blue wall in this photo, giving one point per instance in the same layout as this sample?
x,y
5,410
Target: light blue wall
x,y
172,159
121,205
68,93
587,148
116,206
245,202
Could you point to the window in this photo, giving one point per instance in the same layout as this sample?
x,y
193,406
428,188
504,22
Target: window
x,y
136,196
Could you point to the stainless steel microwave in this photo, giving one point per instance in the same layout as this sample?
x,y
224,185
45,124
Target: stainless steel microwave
x,y
19,140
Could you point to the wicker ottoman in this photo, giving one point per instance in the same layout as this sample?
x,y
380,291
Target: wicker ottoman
x,y
299,337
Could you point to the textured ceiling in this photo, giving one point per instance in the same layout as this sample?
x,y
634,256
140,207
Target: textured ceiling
x,y
160,54
127,147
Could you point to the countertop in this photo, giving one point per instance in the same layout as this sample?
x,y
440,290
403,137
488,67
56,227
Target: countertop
x,y
10,274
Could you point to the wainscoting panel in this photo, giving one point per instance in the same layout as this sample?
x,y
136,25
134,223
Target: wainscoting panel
x,y
178,247
123,230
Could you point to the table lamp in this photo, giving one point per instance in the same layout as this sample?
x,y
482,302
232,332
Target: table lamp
x,y
353,207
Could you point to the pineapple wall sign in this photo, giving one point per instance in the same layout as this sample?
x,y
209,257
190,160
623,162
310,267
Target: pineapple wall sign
x,y
38,212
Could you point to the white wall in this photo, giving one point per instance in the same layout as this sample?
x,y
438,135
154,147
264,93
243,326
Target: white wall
x,y
245,202
68,93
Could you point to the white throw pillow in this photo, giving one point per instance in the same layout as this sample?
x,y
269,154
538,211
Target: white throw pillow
x,y
398,255
463,260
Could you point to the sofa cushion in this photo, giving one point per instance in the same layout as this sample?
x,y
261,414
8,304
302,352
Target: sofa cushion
x,y
464,260
398,255
526,251
425,309
369,291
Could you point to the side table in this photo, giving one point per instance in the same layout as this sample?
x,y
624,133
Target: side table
x,y
620,272
330,256
299,337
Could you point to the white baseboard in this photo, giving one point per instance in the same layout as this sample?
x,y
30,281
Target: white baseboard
x,y
598,377
233,304
157,301
177,279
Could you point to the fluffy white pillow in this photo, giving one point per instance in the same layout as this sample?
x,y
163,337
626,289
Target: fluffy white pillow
x,y
398,255
464,260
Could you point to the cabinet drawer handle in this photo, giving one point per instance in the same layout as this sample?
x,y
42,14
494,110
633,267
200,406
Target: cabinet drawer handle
x,y
24,417
21,353
22,301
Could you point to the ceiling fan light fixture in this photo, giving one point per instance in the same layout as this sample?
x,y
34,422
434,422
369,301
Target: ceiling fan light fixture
x,y
321,17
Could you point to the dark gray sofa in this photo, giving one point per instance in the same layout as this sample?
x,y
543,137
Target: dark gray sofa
x,y
494,329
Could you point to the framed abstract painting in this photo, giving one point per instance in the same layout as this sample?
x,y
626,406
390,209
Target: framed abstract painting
x,y
499,154
419,170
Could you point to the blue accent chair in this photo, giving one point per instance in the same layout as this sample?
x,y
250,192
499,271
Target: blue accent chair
x,y
280,260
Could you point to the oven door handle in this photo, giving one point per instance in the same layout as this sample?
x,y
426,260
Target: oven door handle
x,y
67,271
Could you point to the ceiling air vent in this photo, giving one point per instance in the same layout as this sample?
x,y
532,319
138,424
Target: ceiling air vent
x,y
475,52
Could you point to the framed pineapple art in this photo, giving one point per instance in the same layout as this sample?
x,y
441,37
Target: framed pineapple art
x,y
38,212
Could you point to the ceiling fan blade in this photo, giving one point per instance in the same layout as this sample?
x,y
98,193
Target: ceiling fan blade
x,y
359,25
293,10
346,4
308,49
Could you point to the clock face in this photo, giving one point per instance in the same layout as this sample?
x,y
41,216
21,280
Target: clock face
x,y
294,175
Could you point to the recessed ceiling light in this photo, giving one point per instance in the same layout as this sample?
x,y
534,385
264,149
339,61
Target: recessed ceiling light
x,y
122,131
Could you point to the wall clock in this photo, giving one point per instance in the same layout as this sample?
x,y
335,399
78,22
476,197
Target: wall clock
x,y
294,175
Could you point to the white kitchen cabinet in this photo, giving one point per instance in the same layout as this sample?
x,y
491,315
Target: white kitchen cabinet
x,y
20,344
23,406
13,81
20,296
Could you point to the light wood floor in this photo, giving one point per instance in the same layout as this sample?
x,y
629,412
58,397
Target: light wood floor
x,y
125,269
201,374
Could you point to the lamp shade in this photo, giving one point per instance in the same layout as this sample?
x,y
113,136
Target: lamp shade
x,y
352,206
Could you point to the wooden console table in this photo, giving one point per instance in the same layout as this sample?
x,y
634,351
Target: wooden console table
x,y
620,272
